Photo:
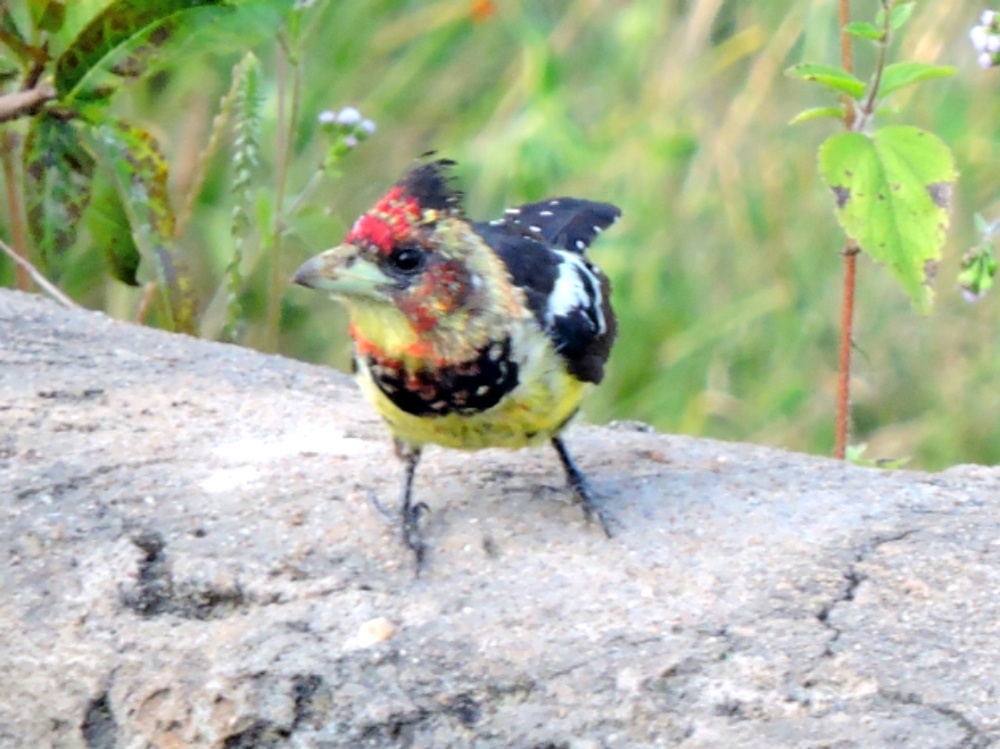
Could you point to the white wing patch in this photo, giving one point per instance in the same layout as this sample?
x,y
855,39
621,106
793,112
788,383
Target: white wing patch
x,y
576,290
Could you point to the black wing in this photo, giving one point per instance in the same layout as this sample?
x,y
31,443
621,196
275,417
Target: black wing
x,y
567,223
542,246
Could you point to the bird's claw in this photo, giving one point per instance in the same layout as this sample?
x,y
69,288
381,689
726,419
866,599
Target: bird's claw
x,y
590,508
411,532
387,516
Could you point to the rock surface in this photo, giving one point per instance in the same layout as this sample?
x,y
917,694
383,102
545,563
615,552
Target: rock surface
x,y
189,557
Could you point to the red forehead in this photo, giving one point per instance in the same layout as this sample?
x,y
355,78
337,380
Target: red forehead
x,y
390,222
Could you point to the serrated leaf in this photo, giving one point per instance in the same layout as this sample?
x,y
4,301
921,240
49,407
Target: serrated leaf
x,y
902,74
863,30
110,230
900,15
58,171
139,173
115,26
829,76
816,113
893,192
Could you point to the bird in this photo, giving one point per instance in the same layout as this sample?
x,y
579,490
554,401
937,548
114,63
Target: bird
x,y
472,334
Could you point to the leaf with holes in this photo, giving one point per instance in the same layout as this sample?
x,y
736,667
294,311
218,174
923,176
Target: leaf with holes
x,y
893,192
139,173
58,172
118,25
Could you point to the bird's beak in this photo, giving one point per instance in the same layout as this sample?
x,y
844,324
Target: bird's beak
x,y
344,273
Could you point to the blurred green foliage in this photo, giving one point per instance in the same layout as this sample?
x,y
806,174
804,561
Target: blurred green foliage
x,y
726,265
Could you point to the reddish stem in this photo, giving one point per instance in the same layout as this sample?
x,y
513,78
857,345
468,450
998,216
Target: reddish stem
x,y
850,271
846,343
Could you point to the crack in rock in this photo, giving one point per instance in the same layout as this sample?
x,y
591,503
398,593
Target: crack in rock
x,y
853,579
974,738
156,592
99,727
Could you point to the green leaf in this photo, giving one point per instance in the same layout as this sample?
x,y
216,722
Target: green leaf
x,y
864,30
816,113
109,227
978,270
52,16
115,26
982,225
11,37
139,173
893,191
58,171
830,76
855,455
902,74
900,15
245,161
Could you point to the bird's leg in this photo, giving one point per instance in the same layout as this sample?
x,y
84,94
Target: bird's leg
x,y
410,512
578,482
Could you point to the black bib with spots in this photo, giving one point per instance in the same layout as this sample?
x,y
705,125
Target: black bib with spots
x,y
467,388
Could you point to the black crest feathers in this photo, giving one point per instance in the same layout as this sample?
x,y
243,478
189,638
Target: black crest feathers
x,y
431,185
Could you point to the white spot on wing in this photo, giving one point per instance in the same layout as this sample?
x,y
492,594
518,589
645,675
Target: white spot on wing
x,y
535,229
545,213
571,292
512,211
581,245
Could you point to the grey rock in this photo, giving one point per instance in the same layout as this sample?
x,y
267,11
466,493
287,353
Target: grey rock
x,y
189,557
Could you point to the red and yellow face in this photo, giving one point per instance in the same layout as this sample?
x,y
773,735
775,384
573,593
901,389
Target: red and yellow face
x,y
416,278
391,223
402,270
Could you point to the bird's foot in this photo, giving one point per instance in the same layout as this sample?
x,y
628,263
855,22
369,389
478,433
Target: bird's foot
x,y
585,494
411,531
383,512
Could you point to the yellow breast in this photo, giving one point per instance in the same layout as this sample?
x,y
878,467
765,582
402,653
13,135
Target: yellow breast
x,y
544,400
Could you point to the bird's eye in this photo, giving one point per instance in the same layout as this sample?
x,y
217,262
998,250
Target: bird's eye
x,y
407,260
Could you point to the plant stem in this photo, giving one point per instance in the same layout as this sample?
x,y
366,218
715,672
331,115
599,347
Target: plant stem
x,y
42,282
846,344
868,108
850,271
17,233
26,102
307,191
282,149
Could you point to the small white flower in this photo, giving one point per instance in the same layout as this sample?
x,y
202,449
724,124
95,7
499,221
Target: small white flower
x,y
986,60
970,296
327,117
979,36
368,126
350,141
993,44
988,17
349,116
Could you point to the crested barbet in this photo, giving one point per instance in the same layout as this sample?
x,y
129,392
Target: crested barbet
x,y
472,334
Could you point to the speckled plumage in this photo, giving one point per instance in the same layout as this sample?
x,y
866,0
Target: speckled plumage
x,y
468,334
